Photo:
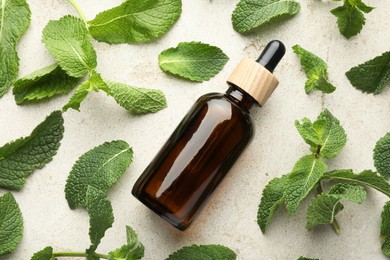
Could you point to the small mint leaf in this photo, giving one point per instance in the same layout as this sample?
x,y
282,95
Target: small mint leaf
x,y
11,224
250,14
44,254
270,201
382,156
203,252
100,167
303,178
194,61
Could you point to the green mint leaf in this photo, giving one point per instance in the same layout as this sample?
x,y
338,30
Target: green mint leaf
x,y
367,177
43,83
306,258
385,229
270,201
68,40
331,134
323,210
350,19
195,61
135,21
325,207
308,133
137,100
203,252
371,76
14,21
303,178
250,14
325,136
21,157
349,191
94,83
11,224
44,254
133,250
100,167
363,7
316,71
101,216
78,96
382,156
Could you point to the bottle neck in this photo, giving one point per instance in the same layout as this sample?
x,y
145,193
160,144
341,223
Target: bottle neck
x,y
240,97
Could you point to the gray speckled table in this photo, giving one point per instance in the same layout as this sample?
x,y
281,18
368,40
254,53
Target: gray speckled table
x,y
230,217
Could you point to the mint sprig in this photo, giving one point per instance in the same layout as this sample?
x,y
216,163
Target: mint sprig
x,y
350,17
326,138
316,71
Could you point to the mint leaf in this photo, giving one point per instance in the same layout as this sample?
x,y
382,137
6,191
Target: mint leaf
x,y
350,19
331,134
325,136
308,133
100,168
133,250
93,83
135,21
43,83
385,229
250,14
322,210
68,40
382,156
367,177
101,216
44,254
349,191
14,21
11,224
371,76
316,71
303,178
270,201
203,252
325,207
137,100
195,61
21,157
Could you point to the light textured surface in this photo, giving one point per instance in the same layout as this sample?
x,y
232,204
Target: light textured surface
x,y
230,217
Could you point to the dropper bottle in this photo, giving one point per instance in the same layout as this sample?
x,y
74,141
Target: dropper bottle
x,y
207,142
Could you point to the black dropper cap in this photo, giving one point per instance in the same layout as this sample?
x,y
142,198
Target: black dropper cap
x,y
271,55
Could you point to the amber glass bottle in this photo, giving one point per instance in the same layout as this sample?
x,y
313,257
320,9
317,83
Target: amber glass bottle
x,y
207,142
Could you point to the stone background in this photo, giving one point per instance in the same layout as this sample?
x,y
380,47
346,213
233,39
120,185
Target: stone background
x,y
230,217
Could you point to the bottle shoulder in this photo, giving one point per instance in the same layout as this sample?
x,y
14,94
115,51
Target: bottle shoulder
x,y
225,106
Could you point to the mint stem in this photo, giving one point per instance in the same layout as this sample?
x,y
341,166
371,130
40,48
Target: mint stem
x,y
78,9
336,226
77,254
